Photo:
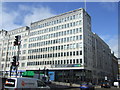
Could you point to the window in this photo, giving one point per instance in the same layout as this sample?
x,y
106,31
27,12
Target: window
x,y
80,60
24,52
23,65
80,37
58,61
73,61
77,61
61,61
70,53
80,52
64,61
77,53
70,61
64,53
67,53
67,61
74,53
61,54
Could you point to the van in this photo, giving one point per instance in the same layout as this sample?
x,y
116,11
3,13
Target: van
x,y
25,84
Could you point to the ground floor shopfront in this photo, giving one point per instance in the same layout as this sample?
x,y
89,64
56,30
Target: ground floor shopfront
x,y
74,75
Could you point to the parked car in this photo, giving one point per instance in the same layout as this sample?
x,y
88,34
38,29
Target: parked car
x,y
87,86
116,84
105,85
25,83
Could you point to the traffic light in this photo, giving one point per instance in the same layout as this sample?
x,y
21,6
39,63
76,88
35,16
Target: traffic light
x,y
17,40
14,60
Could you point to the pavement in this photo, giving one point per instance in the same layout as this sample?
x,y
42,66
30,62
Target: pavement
x,y
64,85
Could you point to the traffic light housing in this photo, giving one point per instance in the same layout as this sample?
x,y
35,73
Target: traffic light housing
x,y
17,40
14,60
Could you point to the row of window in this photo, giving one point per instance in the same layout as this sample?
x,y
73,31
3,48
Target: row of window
x,y
65,19
62,40
64,26
14,47
57,34
71,61
54,48
52,55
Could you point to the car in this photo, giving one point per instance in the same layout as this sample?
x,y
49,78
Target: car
x,y
21,83
116,84
87,86
105,85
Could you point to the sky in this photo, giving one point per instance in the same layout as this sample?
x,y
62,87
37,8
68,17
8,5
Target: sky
x,y
104,16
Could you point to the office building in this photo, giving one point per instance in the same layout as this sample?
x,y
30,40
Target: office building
x,y
63,44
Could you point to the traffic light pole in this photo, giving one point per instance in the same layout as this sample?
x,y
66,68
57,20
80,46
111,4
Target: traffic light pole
x,y
17,58
15,62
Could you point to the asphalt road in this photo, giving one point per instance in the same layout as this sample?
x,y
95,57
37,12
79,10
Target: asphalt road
x,y
96,89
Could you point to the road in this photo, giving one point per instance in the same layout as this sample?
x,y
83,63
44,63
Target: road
x,y
107,89
62,87
96,89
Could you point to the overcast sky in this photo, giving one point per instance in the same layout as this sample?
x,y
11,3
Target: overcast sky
x,y
104,16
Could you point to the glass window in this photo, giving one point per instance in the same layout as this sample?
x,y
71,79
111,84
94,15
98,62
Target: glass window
x,y
77,60
70,53
74,53
73,16
61,54
77,53
67,61
64,61
73,38
80,37
73,61
80,60
70,61
80,52
64,53
67,53
58,61
61,61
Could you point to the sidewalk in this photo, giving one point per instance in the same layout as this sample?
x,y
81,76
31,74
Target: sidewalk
x,y
71,85
66,84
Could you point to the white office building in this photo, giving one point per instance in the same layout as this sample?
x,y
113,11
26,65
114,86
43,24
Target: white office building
x,y
63,44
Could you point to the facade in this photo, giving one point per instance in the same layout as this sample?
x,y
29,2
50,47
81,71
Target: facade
x,y
115,68
63,44
8,50
119,69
